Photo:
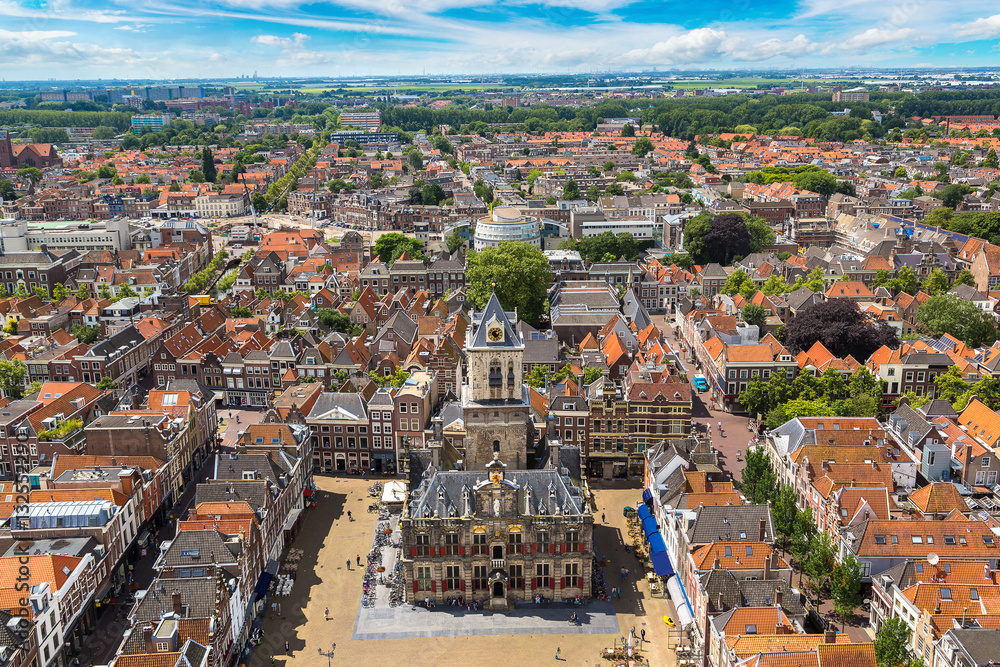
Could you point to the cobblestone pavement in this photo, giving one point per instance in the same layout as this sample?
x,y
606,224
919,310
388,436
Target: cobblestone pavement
x,y
325,581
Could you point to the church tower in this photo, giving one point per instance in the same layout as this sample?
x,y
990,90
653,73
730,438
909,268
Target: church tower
x,y
496,411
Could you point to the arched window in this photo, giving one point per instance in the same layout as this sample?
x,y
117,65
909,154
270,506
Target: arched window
x,y
496,446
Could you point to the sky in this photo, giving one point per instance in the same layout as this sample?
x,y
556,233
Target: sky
x,y
160,39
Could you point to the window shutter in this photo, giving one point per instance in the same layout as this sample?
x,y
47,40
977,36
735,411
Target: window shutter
x,y
552,548
415,584
581,547
552,583
461,585
433,586
413,552
563,584
534,583
524,549
533,547
444,585
461,550
562,548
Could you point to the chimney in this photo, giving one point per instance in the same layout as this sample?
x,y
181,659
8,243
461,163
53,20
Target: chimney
x,y
761,531
777,596
719,607
435,446
147,637
176,597
767,568
717,565
830,637
555,447
967,459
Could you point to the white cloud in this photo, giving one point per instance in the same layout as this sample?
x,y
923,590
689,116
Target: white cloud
x,y
874,37
797,47
980,28
33,46
138,27
286,43
60,10
694,46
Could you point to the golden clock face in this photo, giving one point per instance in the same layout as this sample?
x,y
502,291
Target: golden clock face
x,y
495,334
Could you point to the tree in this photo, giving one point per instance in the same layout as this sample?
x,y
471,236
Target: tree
x,y
842,328
950,314
33,174
41,292
936,283
415,159
391,247
822,558
82,293
7,190
964,277
785,510
591,375
761,234
131,142
899,173
103,132
952,195
196,176
758,481
642,147
455,241
59,293
628,130
775,284
735,282
518,273
990,161
483,191
398,377
755,398
727,239
892,643
571,191
336,321
106,383
754,314
845,587
240,311
86,335
905,281
12,374
951,386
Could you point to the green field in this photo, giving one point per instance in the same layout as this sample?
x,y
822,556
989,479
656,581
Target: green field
x,y
419,88
754,82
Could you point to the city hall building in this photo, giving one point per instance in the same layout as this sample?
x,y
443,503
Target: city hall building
x,y
497,531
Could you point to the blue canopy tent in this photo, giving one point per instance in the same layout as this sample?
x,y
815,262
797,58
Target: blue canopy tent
x,y
649,526
643,512
647,497
658,556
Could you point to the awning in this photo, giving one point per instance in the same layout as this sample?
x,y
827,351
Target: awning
x,y
307,492
684,615
265,579
661,563
649,526
293,516
643,512
647,496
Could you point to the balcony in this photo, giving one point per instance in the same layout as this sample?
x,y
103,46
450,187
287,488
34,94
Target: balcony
x,y
498,564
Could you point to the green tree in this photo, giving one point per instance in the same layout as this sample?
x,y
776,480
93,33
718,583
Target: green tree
x,y
832,385
813,281
735,282
396,380
964,277
936,283
845,587
591,375
536,378
7,190
892,643
33,174
785,510
196,176
571,191
775,284
628,130
754,314
899,173
818,566
755,399
59,293
106,383
905,281
950,314
455,241
336,321
42,293
391,247
103,132
520,274
12,374
642,147
240,311
758,481
483,191
990,161
82,294
20,292
952,195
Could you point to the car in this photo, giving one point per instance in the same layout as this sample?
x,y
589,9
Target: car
x,y
669,621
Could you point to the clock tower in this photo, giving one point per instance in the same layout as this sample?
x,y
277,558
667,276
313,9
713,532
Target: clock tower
x,y
495,408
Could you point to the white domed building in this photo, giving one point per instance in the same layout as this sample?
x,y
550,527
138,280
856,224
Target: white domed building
x,y
506,223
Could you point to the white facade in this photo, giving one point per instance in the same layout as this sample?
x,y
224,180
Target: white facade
x,y
220,206
506,224
22,236
638,226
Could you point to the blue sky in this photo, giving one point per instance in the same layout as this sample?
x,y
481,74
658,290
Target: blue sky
x,y
210,38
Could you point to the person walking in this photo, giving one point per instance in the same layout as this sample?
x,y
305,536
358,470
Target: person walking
x,y
348,563
623,572
349,517
643,631
626,573
286,649
604,519
358,558
326,614
558,651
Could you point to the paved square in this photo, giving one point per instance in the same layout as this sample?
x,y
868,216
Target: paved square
x,y
453,637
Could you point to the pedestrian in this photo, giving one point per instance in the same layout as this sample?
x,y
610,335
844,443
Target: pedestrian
x,y
349,517
558,651
633,632
623,572
626,573
279,609
643,631
604,519
348,563
286,649
358,559
272,661
326,614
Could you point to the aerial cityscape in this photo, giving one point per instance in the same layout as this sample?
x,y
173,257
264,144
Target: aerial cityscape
x,y
451,332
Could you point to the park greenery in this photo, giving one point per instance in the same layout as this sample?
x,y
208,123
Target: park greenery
x,y
517,272
831,393
725,238
607,247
